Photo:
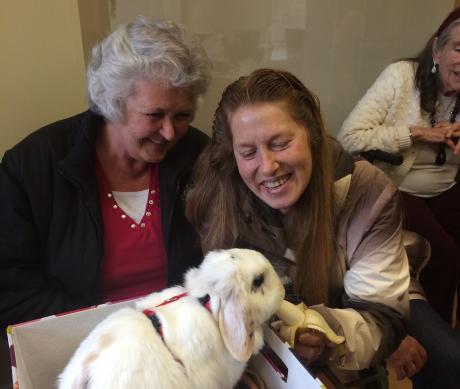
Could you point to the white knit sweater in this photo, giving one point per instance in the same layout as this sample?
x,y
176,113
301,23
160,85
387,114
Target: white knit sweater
x,y
382,118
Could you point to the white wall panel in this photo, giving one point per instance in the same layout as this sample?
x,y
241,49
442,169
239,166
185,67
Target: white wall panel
x,y
336,47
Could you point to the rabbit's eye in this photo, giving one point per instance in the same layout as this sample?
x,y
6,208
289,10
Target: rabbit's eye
x,y
259,280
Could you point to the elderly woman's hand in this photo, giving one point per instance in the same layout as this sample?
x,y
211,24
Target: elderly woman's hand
x,y
408,358
438,134
452,135
444,132
310,344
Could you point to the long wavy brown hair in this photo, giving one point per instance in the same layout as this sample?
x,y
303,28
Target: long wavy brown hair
x,y
214,202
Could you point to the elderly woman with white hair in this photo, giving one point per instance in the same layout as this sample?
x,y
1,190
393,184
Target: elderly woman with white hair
x,y
92,205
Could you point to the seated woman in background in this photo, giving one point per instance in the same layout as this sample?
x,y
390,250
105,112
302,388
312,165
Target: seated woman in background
x,y
271,179
92,205
413,109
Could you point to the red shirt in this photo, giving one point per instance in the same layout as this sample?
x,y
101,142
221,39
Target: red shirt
x,y
134,261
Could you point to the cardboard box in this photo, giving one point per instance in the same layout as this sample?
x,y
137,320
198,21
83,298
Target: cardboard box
x,y
40,350
279,368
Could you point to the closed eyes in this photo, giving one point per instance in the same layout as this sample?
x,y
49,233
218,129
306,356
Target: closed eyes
x,y
247,154
180,116
279,145
156,115
275,146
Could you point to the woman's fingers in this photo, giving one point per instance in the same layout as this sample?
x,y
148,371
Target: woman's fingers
x,y
408,359
310,344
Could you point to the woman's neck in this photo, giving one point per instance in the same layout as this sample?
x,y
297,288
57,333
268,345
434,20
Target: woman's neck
x,y
124,173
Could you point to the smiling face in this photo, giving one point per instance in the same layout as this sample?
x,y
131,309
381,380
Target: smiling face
x,y
448,60
156,117
272,152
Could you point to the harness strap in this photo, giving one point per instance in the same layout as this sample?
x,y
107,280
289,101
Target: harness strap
x,y
205,301
155,321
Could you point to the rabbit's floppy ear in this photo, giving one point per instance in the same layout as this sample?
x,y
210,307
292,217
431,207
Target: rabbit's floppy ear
x,y
218,276
236,324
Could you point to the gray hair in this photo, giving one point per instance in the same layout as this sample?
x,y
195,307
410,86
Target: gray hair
x,y
144,49
445,37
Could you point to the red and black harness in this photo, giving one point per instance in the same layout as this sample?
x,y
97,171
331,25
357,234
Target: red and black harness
x,y
151,314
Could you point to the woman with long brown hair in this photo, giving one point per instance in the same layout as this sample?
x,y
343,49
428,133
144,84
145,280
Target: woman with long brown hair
x,y
272,179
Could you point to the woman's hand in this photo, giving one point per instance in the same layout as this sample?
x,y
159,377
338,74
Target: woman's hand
x,y
444,132
408,358
309,344
452,135
436,134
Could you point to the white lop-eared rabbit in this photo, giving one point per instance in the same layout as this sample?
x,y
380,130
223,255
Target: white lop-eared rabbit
x,y
200,347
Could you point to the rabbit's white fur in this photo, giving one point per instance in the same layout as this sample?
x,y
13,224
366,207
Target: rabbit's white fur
x,y
125,350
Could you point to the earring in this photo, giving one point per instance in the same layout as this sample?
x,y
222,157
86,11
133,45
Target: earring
x,y
434,69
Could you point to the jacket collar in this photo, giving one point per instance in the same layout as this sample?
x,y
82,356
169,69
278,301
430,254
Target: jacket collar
x,y
78,165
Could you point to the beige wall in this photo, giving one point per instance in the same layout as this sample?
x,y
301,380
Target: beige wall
x,y
336,47
94,21
41,65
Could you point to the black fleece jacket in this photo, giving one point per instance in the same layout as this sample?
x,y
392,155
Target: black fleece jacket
x,y
51,228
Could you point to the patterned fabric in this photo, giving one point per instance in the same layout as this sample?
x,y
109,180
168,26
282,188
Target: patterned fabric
x,y
382,118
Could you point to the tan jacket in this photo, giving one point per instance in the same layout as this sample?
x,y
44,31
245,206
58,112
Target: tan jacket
x,y
372,262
